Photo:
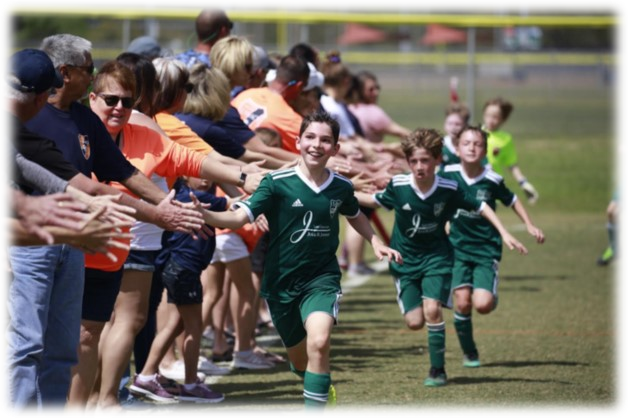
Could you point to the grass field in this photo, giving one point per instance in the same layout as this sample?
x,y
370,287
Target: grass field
x,y
551,344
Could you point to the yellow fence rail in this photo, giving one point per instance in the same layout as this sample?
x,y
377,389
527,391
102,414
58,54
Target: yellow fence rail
x,y
313,17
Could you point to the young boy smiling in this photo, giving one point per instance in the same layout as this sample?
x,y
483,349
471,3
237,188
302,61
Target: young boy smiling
x,y
423,203
301,281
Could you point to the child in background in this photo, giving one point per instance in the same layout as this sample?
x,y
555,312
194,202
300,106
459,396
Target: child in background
x,y
477,244
456,118
301,282
423,203
612,214
180,264
501,151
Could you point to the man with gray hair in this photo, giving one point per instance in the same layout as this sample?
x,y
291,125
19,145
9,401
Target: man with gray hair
x,y
47,286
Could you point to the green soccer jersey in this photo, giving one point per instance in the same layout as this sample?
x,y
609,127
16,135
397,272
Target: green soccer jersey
x,y
471,235
419,228
449,152
304,228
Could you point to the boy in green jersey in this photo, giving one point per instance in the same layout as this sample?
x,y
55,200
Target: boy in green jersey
x,y
301,282
477,245
501,152
423,203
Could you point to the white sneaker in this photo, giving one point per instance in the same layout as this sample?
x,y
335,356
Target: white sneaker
x,y
177,371
360,269
250,360
209,368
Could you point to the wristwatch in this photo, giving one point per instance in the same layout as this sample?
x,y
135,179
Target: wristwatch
x,y
242,179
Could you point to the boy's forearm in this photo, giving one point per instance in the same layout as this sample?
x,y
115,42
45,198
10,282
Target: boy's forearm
x,y
490,215
228,219
521,212
362,225
366,200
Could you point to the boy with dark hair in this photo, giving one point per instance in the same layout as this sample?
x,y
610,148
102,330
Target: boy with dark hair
x,y
301,282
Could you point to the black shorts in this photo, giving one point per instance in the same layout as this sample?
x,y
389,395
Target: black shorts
x,y
183,286
100,293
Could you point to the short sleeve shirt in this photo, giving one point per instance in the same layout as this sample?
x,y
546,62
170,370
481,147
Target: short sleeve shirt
x,y
216,136
263,108
500,151
373,120
83,140
471,235
419,228
304,228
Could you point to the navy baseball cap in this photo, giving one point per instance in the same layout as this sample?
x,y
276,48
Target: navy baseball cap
x,y
34,72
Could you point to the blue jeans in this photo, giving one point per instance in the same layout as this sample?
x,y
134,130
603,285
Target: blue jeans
x,y
45,300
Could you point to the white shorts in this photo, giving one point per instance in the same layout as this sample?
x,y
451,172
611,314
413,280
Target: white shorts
x,y
229,247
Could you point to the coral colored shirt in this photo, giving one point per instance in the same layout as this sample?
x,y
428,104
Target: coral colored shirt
x,y
150,153
262,107
373,120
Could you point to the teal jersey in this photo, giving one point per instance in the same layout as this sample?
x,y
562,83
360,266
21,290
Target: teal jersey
x,y
449,152
303,226
471,235
419,228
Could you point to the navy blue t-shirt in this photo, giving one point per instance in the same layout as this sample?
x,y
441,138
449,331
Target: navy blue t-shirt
x,y
214,135
192,254
235,127
84,141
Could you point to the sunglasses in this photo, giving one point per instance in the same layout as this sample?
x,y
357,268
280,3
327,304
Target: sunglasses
x,y
188,87
112,100
89,69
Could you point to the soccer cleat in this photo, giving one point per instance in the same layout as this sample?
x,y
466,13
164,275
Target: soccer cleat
x,y
436,378
471,360
606,257
331,396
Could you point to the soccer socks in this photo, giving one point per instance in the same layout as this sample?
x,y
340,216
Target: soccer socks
x,y
614,237
464,330
436,344
299,373
316,389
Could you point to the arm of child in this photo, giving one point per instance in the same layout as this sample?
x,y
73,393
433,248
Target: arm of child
x,y
523,215
527,187
231,219
366,200
510,241
361,224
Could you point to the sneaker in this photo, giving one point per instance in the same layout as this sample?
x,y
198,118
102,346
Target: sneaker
x,y
227,356
606,257
251,360
211,369
331,396
151,390
200,393
360,269
169,385
437,377
177,371
471,359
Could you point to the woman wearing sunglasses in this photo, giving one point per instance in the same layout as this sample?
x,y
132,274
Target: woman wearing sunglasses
x,y
112,99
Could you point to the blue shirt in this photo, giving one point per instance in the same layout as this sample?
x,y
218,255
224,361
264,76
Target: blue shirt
x,y
214,135
84,141
235,126
192,254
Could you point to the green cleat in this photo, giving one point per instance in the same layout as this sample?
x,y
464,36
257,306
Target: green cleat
x,y
471,360
331,396
436,378
606,257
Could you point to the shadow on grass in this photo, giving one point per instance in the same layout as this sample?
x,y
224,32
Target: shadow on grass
x,y
517,277
515,364
477,380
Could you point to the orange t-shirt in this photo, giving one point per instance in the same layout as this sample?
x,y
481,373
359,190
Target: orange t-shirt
x,y
262,107
182,134
150,153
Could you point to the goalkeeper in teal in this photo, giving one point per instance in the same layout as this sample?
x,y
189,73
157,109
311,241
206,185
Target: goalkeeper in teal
x,y
477,244
501,151
423,203
301,282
